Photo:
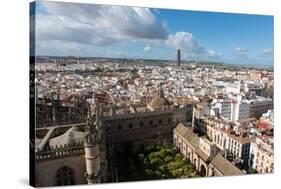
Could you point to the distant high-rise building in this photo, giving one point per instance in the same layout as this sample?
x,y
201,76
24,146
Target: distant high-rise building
x,y
178,57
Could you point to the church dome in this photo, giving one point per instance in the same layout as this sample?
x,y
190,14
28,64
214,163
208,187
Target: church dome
x,y
159,102
71,136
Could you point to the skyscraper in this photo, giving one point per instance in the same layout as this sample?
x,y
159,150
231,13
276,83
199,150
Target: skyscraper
x,y
178,57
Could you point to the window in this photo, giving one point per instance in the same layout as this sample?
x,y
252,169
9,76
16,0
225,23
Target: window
x,y
160,121
130,125
141,123
150,122
107,129
64,177
154,136
169,120
142,147
119,127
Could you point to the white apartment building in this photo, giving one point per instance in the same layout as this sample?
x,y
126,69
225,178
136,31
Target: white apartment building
x,y
233,88
262,156
234,109
234,141
226,109
268,117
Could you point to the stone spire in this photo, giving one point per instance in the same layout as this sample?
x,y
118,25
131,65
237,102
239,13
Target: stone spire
x,y
161,92
90,130
91,143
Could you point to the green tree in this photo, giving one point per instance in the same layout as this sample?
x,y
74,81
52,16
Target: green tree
x,y
141,157
168,159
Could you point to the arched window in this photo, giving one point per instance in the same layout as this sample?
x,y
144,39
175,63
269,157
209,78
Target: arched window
x,y
64,176
203,171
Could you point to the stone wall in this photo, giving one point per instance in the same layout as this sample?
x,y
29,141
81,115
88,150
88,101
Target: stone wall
x,y
145,129
46,170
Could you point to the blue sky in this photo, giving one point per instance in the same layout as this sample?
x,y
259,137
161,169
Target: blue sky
x,y
114,31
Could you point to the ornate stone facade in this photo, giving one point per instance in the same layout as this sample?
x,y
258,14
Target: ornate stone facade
x,y
105,131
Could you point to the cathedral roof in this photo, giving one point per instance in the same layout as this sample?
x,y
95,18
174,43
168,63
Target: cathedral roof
x,y
158,102
72,136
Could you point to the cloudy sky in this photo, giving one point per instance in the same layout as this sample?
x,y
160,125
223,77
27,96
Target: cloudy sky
x,y
115,31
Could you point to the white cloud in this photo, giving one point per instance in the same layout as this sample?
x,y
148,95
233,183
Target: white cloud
x,y
241,52
59,46
268,52
97,24
186,42
146,48
214,54
103,25
56,47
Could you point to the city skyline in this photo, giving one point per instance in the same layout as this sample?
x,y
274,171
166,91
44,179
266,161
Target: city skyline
x,y
112,102
152,33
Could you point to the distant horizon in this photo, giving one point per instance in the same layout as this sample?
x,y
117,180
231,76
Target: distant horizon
x,y
93,30
167,60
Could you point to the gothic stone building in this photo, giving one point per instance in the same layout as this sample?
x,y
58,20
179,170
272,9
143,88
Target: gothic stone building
x,y
64,157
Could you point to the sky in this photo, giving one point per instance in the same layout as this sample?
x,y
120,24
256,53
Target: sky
x,y
72,29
